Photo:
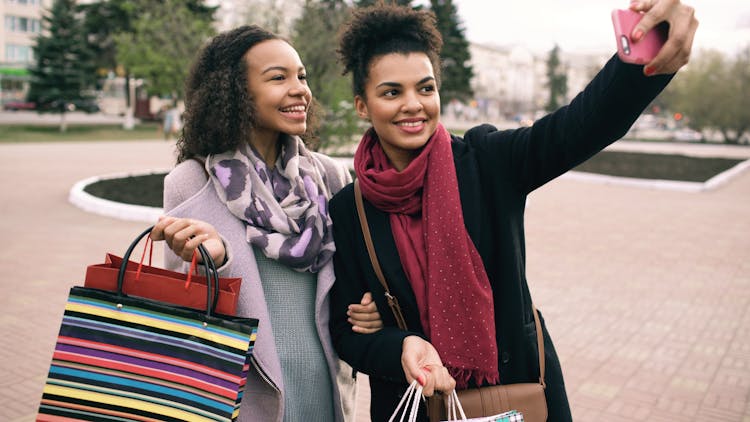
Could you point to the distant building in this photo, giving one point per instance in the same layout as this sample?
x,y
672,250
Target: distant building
x,y
275,15
510,82
22,22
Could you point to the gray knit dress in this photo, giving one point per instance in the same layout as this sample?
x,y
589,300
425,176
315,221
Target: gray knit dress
x,y
291,305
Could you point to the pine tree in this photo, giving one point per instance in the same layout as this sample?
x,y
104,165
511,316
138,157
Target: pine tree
x,y
557,80
456,69
64,67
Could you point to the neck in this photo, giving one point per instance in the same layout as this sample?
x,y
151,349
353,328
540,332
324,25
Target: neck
x,y
400,159
267,147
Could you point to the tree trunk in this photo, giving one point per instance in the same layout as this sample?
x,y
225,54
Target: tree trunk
x,y
63,122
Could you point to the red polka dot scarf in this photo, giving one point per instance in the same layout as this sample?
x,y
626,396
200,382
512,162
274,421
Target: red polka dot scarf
x,y
443,266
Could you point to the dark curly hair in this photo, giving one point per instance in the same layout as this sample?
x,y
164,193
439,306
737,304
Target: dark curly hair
x,y
382,29
219,112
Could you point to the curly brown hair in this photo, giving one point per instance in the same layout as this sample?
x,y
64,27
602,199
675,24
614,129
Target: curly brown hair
x,y
219,112
382,29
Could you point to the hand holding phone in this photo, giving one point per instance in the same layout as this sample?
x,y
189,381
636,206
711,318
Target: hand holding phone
x,y
643,51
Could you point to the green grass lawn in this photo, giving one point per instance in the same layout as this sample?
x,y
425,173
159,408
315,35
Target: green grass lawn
x,y
77,132
147,189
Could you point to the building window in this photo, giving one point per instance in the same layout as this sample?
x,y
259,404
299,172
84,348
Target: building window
x,y
31,2
22,24
18,53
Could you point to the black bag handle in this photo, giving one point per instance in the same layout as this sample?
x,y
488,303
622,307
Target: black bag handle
x,y
212,275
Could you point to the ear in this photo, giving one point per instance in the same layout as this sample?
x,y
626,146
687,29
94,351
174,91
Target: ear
x,y
361,106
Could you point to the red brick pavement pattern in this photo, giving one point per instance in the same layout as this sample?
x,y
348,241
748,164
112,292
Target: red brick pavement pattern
x,y
645,291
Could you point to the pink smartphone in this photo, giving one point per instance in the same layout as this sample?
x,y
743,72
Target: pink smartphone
x,y
643,51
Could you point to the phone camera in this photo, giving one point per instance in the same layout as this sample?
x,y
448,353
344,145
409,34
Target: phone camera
x,y
625,44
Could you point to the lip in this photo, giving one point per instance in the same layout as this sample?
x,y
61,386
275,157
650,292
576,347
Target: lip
x,y
417,125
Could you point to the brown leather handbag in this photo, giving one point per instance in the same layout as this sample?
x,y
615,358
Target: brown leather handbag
x,y
526,398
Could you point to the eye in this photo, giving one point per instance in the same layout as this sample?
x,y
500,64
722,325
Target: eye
x,y
390,93
302,77
427,88
278,77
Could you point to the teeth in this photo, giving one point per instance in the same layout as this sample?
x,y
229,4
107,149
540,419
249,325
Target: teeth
x,y
294,108
410,124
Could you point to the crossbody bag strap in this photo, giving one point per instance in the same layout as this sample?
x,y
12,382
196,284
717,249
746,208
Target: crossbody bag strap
x,y
539,344
392,301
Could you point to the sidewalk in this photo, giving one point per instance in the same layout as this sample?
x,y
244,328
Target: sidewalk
x,y
645,292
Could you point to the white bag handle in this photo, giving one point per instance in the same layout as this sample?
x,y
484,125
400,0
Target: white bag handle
x,y
410,403
453,404
455,409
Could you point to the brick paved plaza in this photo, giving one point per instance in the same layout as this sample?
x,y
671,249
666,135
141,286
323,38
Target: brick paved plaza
x,y
645,291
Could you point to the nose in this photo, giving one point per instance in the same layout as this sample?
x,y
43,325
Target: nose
x,y
299,89
412,104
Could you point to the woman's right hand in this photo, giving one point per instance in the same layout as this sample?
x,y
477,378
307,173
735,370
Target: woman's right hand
x,y
183,235
682,26
421,362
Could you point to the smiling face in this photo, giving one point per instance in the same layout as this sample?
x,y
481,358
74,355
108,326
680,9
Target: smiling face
x,y
277,84
402,102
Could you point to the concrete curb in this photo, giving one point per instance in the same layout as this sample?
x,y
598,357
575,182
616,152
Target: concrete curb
x,y
675,185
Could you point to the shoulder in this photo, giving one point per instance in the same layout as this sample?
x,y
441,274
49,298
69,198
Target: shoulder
x,y
479,137
343,209
343,199
336,172
189,172
184,181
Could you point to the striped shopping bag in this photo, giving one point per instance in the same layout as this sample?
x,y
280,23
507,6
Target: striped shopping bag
x,y
126,358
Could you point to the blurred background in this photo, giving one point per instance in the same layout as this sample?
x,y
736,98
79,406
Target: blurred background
x,y
505,62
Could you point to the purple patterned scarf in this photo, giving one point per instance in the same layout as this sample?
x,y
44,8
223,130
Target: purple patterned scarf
x,y
285,209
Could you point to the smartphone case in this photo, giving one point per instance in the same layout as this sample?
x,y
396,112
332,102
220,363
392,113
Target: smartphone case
x,y
643,51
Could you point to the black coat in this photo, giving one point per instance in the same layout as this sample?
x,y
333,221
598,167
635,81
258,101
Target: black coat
x,y
496,170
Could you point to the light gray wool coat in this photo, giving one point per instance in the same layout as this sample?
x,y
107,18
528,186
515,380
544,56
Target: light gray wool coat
x,y
188,193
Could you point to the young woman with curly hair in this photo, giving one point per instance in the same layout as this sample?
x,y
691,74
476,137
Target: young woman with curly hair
x,y
446,212
248,188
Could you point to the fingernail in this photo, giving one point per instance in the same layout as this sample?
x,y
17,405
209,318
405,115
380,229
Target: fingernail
x,y
427,369
420,380
637,35
648,71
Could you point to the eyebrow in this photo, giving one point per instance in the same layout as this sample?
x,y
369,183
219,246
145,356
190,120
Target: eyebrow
x,y
280,68
396,84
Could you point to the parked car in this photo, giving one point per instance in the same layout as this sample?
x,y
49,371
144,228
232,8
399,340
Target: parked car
x,y
19,105
85,105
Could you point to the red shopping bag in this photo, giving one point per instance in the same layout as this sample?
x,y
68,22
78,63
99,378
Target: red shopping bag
x,y
163,285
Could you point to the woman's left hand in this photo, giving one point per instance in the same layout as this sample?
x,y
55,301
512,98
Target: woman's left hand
x,y
682,26
364,316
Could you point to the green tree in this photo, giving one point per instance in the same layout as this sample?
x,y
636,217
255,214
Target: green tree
x,y
315,38
557,80
106,19
164,39
64,68
713,92
456,68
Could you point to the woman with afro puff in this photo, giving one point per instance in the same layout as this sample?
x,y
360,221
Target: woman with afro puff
x,y
446,212
247,187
